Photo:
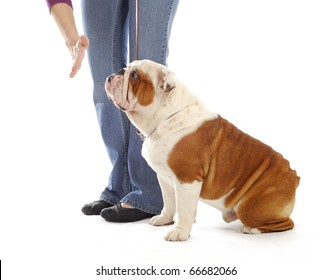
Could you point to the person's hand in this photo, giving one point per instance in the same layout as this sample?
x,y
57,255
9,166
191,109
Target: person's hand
x,y
78,53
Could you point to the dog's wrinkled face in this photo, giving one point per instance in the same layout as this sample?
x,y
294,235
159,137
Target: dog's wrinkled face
x,y
141,84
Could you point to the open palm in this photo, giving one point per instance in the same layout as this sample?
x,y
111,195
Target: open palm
x,y
78,54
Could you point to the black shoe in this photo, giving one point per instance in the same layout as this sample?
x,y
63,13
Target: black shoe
x,y
95,207
124,215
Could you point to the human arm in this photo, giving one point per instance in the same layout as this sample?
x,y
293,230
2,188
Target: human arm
x,y
64,18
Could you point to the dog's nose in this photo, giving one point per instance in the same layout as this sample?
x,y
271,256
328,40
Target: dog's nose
x,y
110,78
120,72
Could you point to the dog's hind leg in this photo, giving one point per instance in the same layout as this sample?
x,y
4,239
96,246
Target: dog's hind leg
x,y
265,214
271,227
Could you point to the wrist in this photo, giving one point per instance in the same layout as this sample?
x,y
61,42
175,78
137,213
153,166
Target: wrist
x,y
64,17
71,42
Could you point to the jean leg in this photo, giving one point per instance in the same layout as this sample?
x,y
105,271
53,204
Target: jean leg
x,y
155,21
146,193
105,23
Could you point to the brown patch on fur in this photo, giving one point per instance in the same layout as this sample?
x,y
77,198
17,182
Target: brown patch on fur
x,y
143,89
225,159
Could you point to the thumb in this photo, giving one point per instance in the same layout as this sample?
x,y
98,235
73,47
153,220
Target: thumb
x,y
83,41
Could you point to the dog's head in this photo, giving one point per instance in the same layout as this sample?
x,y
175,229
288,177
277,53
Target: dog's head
x,y
142,90
142,84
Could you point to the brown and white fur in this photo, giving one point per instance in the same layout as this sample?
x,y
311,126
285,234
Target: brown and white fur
x,y
199,155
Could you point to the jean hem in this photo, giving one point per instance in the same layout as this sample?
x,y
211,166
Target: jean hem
x,y
109,200
140,207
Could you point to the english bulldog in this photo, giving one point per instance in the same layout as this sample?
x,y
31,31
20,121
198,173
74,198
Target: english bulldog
x,y
199,155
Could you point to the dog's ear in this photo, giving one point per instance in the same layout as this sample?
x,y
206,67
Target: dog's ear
x,y
168,80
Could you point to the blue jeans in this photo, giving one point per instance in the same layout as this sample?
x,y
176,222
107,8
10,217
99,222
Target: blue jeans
x,y
110,26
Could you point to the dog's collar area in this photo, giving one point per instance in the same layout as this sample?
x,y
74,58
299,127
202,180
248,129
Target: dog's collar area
x,y
144,137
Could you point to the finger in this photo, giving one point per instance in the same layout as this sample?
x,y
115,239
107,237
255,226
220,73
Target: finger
x,y
78,54
77,63
74,71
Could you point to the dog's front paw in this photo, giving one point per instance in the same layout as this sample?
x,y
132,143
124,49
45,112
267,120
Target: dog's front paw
x,y
177,234
161,220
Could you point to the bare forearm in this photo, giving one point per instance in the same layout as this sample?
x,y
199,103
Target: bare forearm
x,y
64,18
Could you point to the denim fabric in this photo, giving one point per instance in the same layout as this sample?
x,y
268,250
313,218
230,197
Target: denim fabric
x,y
110,26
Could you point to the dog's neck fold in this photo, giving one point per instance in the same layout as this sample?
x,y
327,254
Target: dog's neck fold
x,y
174,105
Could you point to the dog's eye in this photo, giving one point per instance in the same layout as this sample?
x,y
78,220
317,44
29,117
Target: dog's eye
x,y
134,75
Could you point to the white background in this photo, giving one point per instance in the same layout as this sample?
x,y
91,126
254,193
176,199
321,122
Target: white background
x,y
263,65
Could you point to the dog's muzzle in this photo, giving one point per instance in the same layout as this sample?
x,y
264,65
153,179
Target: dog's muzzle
x,y
110,89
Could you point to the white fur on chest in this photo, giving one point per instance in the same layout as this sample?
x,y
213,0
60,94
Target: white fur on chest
x,y
157,147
